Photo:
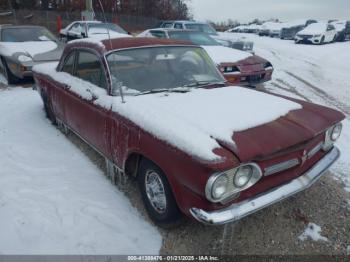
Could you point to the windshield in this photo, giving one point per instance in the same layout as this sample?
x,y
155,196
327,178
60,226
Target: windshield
x,y
194,37
101,28
26,34
162,68
202,28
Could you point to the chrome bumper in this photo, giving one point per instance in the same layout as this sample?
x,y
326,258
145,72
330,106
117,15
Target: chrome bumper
x,y
249,206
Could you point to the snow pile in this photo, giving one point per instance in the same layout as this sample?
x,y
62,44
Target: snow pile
x,y
314,29
222,54
313,232
53,200
32,48
201,117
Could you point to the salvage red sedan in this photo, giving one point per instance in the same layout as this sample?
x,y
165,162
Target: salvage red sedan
x,y
160,111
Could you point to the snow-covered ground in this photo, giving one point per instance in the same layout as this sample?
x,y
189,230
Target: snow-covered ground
x,y
53,200
313,232
319,74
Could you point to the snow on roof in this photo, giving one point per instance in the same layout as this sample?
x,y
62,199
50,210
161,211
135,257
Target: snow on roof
x,y
204,116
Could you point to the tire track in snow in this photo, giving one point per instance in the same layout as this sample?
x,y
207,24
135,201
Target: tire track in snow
x,y
322,94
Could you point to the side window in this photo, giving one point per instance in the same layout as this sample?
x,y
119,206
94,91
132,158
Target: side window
x,y
178,26
89,68
68,65
158,34
76,28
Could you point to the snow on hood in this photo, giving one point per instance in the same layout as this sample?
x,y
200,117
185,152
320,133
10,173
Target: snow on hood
x,y
313,29
193,122
32,48
222,54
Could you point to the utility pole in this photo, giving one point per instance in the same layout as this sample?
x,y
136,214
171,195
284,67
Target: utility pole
x,y
88,14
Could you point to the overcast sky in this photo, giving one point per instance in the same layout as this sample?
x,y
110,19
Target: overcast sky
x,y
285,10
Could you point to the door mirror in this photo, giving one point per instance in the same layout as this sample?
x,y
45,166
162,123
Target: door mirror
x,y
83,34
116,87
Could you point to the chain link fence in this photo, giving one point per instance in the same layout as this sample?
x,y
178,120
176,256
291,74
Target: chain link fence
x,y
49,19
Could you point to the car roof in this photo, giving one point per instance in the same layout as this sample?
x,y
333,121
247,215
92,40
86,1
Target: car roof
x,y
124,43
131,42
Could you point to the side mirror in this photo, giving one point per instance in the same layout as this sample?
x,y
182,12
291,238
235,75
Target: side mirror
x,y
83,34
116,87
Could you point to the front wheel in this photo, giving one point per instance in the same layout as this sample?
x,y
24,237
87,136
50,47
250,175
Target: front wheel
x,y
157,194
11,78
322,40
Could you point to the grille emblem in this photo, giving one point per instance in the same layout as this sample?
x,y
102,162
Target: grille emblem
x,y
304,157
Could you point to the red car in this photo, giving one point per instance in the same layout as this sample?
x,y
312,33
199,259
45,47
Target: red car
x,y
160,111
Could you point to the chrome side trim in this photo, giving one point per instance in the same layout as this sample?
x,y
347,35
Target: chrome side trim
x,y
249,206
281,167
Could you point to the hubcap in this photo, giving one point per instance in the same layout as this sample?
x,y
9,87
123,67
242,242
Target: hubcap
x,y
155,191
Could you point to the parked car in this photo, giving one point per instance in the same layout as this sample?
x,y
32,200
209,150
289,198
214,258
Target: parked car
x,y
267,28
22,47
290,29
317,33
347,30
91,29
239,43
195,146
238,67
343,28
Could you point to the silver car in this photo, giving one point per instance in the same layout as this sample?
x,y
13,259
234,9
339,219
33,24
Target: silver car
x,y
22,47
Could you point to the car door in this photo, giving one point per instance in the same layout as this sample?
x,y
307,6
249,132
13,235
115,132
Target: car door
x,y
82,114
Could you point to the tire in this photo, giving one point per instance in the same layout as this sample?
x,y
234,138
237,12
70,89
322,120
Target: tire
x,y
11,78
48,110
164,210
322,40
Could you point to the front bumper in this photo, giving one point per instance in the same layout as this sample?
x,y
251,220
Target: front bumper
x,y
244,79
252,205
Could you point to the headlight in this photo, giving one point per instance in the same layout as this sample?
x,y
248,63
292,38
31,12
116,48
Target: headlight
x,y
229,69
242,176
332,135
222,187
24,58
336,131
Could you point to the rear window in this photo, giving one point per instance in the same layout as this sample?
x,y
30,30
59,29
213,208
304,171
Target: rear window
x,y
26,34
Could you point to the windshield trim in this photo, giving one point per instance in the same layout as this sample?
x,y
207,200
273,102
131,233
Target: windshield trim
x,y
150,46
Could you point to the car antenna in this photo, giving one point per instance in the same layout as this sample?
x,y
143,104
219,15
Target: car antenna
x,y
110,43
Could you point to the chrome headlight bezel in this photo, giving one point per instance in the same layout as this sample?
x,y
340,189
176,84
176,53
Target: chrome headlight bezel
x,y
231,188
330,139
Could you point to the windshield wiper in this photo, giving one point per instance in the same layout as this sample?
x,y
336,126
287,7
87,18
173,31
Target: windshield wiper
x,y
165,90
199,84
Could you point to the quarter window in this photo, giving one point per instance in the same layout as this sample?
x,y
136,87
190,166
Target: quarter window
x,y
178,26
89,68
68,66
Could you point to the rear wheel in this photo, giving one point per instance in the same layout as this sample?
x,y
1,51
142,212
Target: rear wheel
x,y
47,108
157,194
11,78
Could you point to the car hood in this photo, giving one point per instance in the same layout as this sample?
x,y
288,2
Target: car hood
x,y
314,30
294,128
222,54
38,50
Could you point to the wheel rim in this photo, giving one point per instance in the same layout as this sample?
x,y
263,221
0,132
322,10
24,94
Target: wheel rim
x,y
155,191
